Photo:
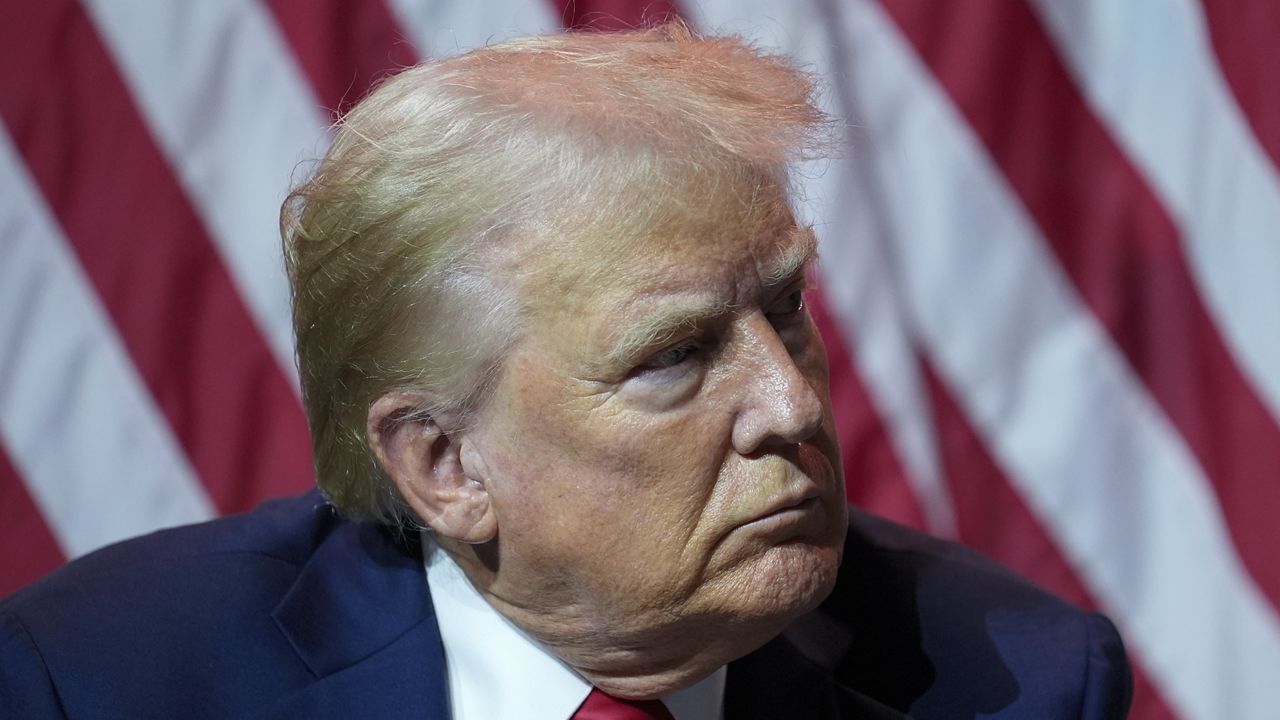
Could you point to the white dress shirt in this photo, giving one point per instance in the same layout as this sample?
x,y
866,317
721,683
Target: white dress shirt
x,y
495,671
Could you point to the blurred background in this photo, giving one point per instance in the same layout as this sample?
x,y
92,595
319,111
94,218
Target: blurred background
x,y
1050,292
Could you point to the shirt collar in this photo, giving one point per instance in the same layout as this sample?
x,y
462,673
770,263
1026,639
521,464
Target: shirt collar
x,y
494,670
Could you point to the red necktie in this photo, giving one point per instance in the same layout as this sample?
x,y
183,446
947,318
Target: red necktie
x,y
599,706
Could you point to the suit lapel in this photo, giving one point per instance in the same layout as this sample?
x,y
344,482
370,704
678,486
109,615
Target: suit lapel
x,y
360,618
779,681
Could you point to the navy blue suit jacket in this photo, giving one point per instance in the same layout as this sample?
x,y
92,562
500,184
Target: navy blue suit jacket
x,y
290,611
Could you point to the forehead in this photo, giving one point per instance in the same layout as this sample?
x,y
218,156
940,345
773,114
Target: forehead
x,y
730,264
616,306
688,237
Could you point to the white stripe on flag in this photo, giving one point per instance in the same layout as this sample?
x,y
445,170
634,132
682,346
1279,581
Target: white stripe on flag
x,y
447,27
234,115
1040,380
96,455
858,278
1149,71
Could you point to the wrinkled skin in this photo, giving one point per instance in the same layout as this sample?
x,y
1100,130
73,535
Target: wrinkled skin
x,y
655,504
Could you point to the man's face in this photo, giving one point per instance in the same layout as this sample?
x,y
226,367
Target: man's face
x,y
660,446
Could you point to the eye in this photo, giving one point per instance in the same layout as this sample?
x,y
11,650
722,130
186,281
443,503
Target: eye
x,y
787,305
671,357
670,376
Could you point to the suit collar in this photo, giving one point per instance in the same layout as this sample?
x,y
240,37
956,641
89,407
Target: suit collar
x,y
778,680
360,618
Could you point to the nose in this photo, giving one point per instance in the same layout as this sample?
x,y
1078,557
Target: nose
x,y
779,404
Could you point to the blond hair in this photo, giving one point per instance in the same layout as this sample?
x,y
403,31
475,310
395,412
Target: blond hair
x,y
402,247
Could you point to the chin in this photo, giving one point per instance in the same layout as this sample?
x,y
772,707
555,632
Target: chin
x,y
767,573
784,582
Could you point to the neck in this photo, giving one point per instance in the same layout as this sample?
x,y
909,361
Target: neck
x,y
628,655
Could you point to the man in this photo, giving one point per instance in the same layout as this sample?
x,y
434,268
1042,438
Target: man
x,y
549,304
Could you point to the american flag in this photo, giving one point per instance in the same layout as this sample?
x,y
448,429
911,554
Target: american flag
x,y
1051,279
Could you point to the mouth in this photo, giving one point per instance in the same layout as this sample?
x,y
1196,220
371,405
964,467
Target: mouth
x,y
793,507
790,496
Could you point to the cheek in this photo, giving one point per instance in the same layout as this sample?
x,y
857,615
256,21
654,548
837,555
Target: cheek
x,y
811,358
581,464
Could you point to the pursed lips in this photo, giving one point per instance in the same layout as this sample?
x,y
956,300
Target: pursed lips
x,y
806,494
795,485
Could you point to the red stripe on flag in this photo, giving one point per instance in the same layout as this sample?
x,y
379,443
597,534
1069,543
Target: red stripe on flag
x,y
1246,39
148,256
613,14
344,48
873,475
30,549
992,517
1116,242
990,514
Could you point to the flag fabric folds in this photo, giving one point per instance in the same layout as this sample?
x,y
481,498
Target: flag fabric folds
x,y
1050,285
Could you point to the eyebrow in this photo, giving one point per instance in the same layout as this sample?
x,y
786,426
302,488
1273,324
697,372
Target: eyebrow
x,y
672,318
800,253
660,326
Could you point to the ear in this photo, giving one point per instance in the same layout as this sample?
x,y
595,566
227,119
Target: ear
x,y
425,463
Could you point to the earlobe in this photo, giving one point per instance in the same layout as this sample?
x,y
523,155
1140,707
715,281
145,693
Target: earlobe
x,y
425,463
